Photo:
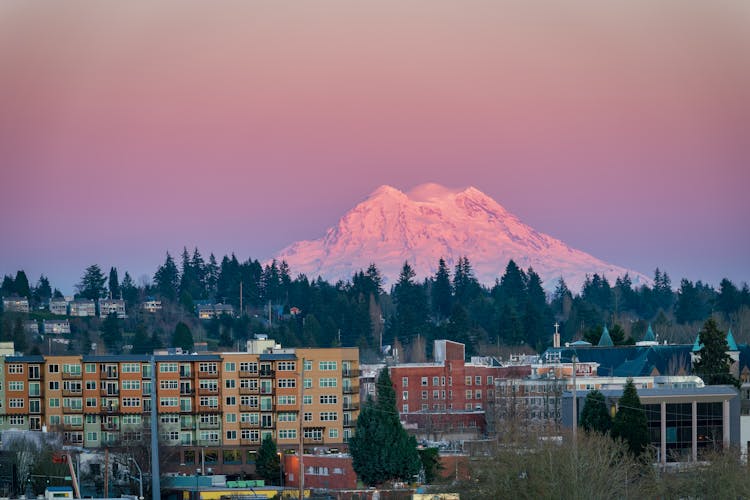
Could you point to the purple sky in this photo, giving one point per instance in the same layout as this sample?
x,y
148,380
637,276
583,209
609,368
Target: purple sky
x,y
129,129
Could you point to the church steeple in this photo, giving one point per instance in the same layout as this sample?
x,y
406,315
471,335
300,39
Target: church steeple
x,y
605,340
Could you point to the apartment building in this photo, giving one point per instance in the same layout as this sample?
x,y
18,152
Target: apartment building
x,y
16,304
213,408
55,326
82,308
58,306
110,306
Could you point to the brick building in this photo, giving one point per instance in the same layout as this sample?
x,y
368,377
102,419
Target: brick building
x,y
450,396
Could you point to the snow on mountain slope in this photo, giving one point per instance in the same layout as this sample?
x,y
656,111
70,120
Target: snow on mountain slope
x,y
430,222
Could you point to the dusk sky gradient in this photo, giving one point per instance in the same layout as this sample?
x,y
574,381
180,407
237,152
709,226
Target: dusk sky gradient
x,y
131,128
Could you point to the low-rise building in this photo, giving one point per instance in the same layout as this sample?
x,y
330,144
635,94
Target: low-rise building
x,y
112,306
151,305
682,423
15,304
58,306
210,311
55,326
31,327
83,308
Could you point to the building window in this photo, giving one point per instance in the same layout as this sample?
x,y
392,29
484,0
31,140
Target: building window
x,y
467,380
231,435
424,381
230,383
167,367
230,401
478,395
131,368
53,402
90,367
478,380
286,366
308,416
286,416
327,366
328,416
15,386
16,403
435,380
286,400
307,399
54,385
308,383
15,368
424,394
229,366
329,399
287,434
469,394
490,380
405,408
405,395
307,366
333,433
91,385
435,394
287,383
54,368
405,381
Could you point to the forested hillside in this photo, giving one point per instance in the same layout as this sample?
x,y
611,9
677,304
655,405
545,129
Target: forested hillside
x,y
512,315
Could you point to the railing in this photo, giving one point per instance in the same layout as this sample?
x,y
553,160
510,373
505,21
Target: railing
x,y
109,409
248,442
248,408
351,407
109,392
267,373
71,393
249,425
68,375
249,390
72,427
246,373
208,391
350,423
208,425
351,389
350,373
208,374
68,409
313,440
186,392
186,374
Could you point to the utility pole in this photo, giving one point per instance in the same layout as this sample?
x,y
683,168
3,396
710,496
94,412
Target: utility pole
x,y
575,401
301,435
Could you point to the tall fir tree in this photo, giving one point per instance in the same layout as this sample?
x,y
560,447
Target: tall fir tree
x,y
267,463
630,423
167,279
182,337
91,285
713,357
113,284
595,415
21,285
381,449
441,292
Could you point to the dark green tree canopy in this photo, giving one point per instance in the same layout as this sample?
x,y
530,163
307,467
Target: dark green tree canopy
x,y
595,415
267,463
92,283
182,337
381,449
630,423
714,360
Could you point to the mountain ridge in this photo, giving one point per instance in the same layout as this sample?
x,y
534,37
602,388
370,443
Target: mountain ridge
x,y
430,222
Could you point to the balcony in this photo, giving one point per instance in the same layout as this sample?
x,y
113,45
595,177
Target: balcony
x,y
351,407
108,410
208,425
248,374
72,427
186,392
249,425
110,374
208,391
109,392
249,390
110,426
313,440
350,373
248,408
185,373
267,373
248,442
68,409
71,376
186,409
187,426
208,374
70,393
351,389
266,390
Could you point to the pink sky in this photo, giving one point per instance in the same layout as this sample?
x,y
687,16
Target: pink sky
x,y
131,128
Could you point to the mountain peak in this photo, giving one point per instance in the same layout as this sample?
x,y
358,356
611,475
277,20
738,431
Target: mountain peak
x,y
431,221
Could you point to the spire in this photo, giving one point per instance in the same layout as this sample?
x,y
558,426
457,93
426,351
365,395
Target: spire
x,y
605,340
649,337
697,346
730,341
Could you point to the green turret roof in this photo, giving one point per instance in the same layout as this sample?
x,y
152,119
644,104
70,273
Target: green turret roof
x,y
649,337
730,341
605,340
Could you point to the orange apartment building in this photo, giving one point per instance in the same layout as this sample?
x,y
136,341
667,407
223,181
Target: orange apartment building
x,y
214,408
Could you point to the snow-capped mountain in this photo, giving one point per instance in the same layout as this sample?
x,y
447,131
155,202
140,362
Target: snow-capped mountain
x,y
430,222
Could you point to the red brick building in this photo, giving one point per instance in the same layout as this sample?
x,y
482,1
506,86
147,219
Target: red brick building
x,y
449,396
321,471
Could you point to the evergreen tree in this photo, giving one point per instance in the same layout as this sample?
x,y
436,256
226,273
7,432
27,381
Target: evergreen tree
x,y
562,300
430,458
595,416
92,283
19,335
141,341
8,287
21,285
410,304
729,298
129,290
182,337
441,292
714,361
212,276
662,291
465,285
381,449
114,284
630,423
111,332
42,291
167,279
267,464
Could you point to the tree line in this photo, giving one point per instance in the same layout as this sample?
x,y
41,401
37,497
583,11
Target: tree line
x,y
513,313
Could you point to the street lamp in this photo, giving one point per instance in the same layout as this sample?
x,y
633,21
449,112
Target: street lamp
x,y
140,477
